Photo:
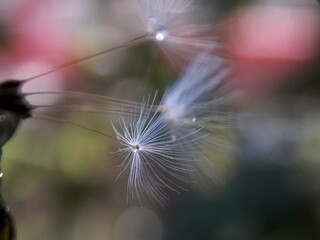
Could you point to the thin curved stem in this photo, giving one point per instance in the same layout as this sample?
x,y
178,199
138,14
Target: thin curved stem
x,y
86,58
92,97
82,109
87,96
65,121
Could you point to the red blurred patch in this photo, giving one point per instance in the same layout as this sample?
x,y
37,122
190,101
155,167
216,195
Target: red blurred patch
x,y
37,42
270,43
37,33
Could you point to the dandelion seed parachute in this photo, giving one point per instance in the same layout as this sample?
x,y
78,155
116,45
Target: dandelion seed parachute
x,y
156,162
175,30
198,93
199,99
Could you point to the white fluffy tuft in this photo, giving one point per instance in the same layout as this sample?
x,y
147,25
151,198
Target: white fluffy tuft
x,y
156,161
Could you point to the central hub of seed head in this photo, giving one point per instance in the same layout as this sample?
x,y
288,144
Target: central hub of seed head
x,y
136,148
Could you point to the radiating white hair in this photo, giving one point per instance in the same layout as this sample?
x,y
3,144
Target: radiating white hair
x,y
156,161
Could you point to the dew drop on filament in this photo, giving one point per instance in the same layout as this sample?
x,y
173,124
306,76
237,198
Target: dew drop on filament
x,y
161,35
159,31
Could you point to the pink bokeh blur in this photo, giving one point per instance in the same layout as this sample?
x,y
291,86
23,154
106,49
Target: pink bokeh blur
x,y
271,43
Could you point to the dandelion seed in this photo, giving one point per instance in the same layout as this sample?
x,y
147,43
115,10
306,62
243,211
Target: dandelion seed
x,y
156,161
174,26
199,100
196,96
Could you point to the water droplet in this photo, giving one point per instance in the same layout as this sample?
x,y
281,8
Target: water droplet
x,y
194,119
159,31
161,35
1,174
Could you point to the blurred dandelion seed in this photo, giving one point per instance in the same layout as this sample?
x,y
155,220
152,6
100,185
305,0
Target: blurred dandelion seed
x,y
199,100
197,97
174,26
